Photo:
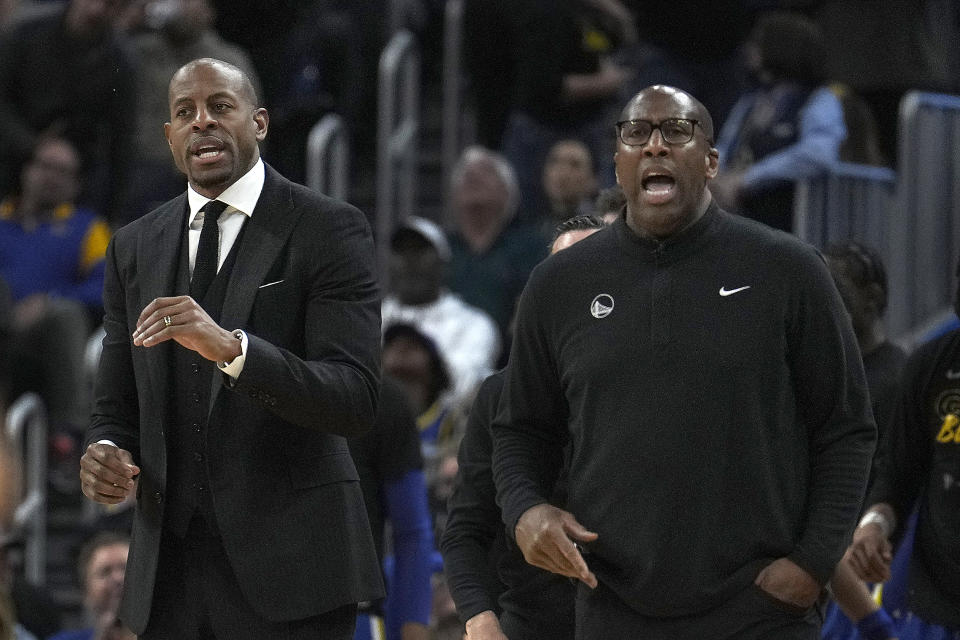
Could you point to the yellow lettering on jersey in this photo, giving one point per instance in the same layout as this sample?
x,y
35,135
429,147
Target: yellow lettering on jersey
x,y
949,431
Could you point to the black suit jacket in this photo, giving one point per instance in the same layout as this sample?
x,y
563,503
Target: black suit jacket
x,y
285,491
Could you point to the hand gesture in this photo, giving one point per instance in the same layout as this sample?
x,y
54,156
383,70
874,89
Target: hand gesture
x,y
547,537
484,626
182,319
107,473
870,554
788,583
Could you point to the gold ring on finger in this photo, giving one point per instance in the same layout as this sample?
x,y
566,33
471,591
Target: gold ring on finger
x,y
167,321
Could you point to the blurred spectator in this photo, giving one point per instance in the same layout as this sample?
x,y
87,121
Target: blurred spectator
x,y
610,204
177,31
322,74
919,475
6,342
492,254
569,181
788,129
414,360
10,478
65,73
52,256
861,279
391,473
884,48
692,45
564,80
465,336
489,68
862,144
102,564
497,593
7,8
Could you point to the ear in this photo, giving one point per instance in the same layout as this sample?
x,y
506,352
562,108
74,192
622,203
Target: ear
x,y
262,120
712,163
166,133
616,167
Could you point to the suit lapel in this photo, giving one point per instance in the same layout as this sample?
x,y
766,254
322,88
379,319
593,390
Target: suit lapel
x,y
266,234
157,273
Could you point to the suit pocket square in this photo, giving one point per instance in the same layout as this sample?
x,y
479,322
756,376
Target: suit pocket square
x,y
269,284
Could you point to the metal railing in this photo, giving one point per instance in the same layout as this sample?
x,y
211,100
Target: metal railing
x,y
451,142
26,429
848,202
328,157
923,239
397,130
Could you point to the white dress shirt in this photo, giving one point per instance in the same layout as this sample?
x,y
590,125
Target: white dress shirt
x,y
241,199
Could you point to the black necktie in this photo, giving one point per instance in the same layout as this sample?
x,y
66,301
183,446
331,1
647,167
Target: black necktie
x,y
205,267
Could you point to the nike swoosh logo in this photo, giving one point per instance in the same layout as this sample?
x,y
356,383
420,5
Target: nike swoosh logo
x,y
953,375
729,292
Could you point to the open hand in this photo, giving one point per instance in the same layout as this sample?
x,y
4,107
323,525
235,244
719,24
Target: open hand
x,y
547,537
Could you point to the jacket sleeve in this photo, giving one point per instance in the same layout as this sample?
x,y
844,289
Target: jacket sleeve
x,y
532,414
906,464
834,405
333,383
116,409
473,518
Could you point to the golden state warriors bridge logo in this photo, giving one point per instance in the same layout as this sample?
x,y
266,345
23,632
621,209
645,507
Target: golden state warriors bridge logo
x,y
602,306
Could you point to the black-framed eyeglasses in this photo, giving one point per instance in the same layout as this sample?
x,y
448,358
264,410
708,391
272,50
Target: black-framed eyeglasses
x,y
635,133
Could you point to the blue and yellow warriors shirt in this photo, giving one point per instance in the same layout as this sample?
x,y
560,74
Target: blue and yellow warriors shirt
x,y
63,256
923,467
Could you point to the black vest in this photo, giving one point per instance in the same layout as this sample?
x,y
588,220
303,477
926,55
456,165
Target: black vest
x,y
188,484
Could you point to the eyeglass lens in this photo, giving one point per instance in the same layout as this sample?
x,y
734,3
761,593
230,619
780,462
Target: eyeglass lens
x,y
673,130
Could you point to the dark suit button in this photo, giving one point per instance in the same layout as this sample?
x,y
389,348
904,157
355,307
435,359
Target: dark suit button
x,y
195,367
158,497
195,397
200,488
253,393
273,402
198,456
196,427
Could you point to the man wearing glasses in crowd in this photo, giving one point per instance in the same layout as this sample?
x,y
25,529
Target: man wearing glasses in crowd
x,y
704,371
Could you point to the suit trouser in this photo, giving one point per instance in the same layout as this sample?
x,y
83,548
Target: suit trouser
x,y
748,615
197,597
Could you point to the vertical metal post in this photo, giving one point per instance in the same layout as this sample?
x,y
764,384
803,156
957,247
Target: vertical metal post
x,y
397,130
328,157
26,428
452,90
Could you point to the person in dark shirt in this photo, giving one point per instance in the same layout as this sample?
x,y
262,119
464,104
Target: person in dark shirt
x,y
66,73
390,467
497,594
714,480
862,281
789,128
921,471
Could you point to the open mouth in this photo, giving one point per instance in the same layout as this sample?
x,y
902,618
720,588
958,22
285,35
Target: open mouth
x,y
207,149
658,187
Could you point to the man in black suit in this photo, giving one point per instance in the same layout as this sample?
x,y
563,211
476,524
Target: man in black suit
x,y
226,409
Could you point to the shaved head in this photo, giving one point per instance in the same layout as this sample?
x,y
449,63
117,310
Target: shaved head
x,y
696,109
244,86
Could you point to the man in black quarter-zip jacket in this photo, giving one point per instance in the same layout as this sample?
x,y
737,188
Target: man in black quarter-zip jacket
x,y
706,376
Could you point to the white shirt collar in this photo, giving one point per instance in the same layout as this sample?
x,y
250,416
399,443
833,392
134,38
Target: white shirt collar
x,y
242,195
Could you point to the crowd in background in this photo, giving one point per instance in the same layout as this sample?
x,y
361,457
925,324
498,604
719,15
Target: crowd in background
x,y
792,85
